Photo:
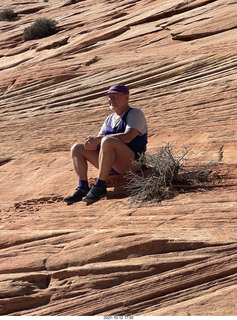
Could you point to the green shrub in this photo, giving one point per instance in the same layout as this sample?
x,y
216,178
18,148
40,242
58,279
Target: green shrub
x,y
8,15
170,175
41,28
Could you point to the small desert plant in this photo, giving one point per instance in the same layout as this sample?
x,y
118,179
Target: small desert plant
x,y
8,15
169,174
41,28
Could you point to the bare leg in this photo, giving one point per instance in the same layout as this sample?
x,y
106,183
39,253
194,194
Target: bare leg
x,y
80,157
114,153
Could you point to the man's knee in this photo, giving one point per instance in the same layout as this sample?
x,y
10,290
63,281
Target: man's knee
x,y
108,141
77,148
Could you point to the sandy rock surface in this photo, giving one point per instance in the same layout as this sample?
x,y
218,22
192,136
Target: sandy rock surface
x,y
177,257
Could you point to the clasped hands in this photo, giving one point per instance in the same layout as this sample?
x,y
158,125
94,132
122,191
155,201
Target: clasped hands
x,y
92,142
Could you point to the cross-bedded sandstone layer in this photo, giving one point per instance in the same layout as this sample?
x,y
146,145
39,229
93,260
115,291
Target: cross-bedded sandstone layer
x,y
177,257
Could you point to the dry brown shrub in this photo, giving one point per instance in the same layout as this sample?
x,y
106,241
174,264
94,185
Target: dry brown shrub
x,y
170,175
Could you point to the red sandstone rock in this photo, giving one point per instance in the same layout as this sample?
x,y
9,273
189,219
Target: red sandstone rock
x,y
177,257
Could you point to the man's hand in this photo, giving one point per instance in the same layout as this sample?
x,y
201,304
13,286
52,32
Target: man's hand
x,y
92,142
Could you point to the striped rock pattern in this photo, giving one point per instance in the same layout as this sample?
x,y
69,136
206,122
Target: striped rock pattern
x,y
177,257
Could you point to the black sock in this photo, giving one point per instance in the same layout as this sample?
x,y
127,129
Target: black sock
x,y
100,183
84,185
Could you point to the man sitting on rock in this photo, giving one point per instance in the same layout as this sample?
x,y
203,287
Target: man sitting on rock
x,y
121,140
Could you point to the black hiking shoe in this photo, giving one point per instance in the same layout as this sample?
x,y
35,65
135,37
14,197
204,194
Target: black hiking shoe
x,y
95,194
77,196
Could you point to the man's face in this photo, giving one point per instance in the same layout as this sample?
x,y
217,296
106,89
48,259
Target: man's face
x,y
118,102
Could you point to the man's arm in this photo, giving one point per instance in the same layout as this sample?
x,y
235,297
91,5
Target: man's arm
x,y
92,142
127,136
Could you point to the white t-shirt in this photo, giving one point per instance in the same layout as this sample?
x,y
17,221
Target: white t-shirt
x,y
135,119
